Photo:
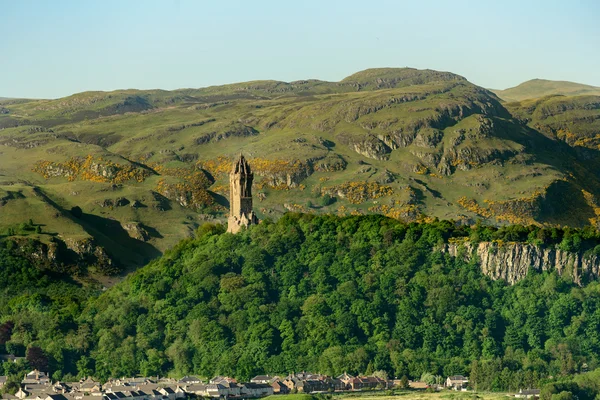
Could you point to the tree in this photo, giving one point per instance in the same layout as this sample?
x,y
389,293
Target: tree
x,y
563,396
12,385
381,374
6,330
84,367
428,378
77,212
404,384
326,200
37,358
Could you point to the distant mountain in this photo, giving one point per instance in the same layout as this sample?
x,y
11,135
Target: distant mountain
x,y
541,87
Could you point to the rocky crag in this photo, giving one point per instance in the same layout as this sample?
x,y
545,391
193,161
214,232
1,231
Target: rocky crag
x,y
512,261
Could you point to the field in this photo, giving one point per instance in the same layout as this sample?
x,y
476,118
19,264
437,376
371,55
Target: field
x,y
400,395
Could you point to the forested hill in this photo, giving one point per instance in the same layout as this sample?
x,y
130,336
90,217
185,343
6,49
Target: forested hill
x,y
315,293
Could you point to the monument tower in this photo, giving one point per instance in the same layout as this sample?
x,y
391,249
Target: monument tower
x,y
240,196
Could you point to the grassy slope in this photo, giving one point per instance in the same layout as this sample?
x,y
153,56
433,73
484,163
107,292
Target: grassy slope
x,y
574,119
404,395
450,140
540,88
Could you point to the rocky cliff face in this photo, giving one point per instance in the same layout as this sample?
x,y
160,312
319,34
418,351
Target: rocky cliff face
x,y
513,261
66,256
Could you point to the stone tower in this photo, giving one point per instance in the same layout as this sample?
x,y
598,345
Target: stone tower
x,y
240,196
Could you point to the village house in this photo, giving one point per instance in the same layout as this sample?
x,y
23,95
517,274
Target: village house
x,y
216,390
87,386
55,397
189,380
418,385
61,387
114,395
118,389
198,389
172,394
338,385
21,394
251,389
81,396
37,385
155,394
456,382
345,378
367,382
360,382
11,358
261,379
308,383
221,379
234,388
279,387
36,377
528,394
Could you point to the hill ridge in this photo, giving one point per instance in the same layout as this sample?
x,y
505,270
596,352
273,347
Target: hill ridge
x,y
537,87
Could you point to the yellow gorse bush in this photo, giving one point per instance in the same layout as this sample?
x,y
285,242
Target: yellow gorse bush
x,y
359,192
91,169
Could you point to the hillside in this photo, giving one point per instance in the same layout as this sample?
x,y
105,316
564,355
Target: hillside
x,y
536,88
116,178
572,119
317,293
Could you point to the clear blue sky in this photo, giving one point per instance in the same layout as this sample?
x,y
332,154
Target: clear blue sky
x,y
55,48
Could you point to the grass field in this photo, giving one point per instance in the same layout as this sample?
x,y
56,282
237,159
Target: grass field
x,y
400,395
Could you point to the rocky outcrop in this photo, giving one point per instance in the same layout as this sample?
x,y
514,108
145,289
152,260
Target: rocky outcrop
x,y
160,202
236,130
70,255
90,253
511,262
136,230
186,195
10,195
118,202
368,146
385,177
290,178
41,254
330,163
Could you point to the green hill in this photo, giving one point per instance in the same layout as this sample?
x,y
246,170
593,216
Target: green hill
x,y
119,177
541,87
315,293
572,119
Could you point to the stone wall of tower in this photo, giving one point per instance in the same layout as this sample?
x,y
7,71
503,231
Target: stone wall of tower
x,y
240,193
240,197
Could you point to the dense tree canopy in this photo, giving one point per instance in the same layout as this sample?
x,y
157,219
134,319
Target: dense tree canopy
x,y
319,293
